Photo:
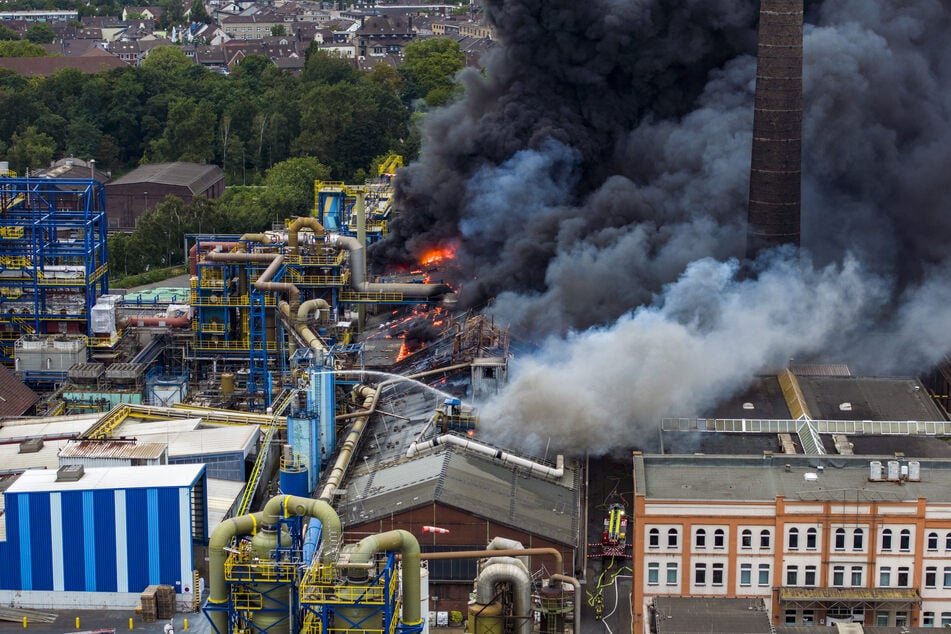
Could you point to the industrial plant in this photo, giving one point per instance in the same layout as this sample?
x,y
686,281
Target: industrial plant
x,y
293,444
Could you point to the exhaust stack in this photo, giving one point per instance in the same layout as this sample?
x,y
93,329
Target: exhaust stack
x,y
776,162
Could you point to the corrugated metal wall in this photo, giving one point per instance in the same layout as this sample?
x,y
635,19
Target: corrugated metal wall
x,y
98,541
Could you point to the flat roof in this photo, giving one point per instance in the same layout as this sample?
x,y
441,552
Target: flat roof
x,y
106,478
868,398
709,615
759,478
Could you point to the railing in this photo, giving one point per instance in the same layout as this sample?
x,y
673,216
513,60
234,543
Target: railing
x,y
351,296
822,426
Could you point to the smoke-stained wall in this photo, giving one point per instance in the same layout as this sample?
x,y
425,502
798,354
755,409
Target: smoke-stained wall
x,y
596,180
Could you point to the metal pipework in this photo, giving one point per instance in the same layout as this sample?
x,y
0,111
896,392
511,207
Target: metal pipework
x,y
342,463
405,543
499,572
276,508
358,274
295,227
577,586
205,246
310,338
470,445
264,283
503,543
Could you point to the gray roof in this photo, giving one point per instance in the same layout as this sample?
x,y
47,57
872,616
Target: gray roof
x,y
708,615
759,478
868,398
197,177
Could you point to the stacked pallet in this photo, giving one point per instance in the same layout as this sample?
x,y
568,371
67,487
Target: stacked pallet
x,y
165,602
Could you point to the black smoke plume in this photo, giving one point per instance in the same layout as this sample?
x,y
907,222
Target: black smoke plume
x,y
595,177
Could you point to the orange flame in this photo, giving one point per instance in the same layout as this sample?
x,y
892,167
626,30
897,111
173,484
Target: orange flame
x,y
403,353
436,255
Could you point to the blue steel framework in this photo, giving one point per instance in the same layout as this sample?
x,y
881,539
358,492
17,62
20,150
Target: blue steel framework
x,y
52,247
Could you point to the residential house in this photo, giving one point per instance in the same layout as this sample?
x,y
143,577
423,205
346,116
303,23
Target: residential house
x,y
250,26
151,13
379,35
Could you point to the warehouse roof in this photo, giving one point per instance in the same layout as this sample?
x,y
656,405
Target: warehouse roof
x,y
15,397
197,177
118,449
868,398
707,615
110,478
795,477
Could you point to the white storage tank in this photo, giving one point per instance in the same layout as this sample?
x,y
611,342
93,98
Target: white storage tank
x,y
875,470
914,470
893,470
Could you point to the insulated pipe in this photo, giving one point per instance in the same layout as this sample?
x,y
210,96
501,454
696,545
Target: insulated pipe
x,y
160,322
515,552
205,246
277,507
263,238
406,544
310,338
470,445
295,227
521,587
264,283
358,274
342,463
503,543
309,305
577,605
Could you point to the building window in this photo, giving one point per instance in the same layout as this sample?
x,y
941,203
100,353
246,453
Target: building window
x,y
746,538
790,617
858,539
947,577
746,575
947,542
718,574
808,617
885,576
904,540
792,542
811,539
881,619
672,538
927,619
672,573
700,539
903,576
901,619
840,539
887,539
653,573
810,576
653,538
763,575
838,576
792,575
764,539
719,538
945,618
856,576
932,541
931,577
700,574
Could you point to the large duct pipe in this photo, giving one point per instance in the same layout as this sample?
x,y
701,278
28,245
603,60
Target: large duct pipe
x,y
205,246
545,471
577,585
281,506
370,397
159,322
358,274
310,338
295,227
503,543
264,283
499,572
776,162
405,543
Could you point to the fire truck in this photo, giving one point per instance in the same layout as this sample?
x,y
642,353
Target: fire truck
x,y
614,537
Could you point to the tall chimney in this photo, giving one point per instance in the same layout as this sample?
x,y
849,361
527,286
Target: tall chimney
x,y
776,164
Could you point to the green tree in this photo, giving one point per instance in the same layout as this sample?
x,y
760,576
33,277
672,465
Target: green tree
x,y
197,12
30,150
6,33
321,67
290,186
189,134
83,138
21,48
278,30
387,77
429,67
166,62
40,33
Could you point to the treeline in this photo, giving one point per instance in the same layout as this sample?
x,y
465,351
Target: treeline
x,y
273,133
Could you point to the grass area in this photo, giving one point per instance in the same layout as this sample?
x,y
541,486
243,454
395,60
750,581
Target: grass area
x,y
149,277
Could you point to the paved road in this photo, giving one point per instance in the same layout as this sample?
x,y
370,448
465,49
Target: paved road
x,y
91,620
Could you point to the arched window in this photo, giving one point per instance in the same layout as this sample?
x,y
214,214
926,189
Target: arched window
x,y
904,540
700,539
887,539
811,539
839,539
858,539
932,541
653,538
764,539
672,538
719,538
792,541
746,538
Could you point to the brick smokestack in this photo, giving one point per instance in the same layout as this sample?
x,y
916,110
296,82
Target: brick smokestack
x,y
776,165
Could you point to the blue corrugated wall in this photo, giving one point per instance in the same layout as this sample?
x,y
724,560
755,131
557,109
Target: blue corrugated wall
x,y
95,541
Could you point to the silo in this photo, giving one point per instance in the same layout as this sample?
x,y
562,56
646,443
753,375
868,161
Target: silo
x,y
486,619
273,613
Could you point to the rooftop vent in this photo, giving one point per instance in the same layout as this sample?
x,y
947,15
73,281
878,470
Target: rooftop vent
x,y
33,445
69,473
